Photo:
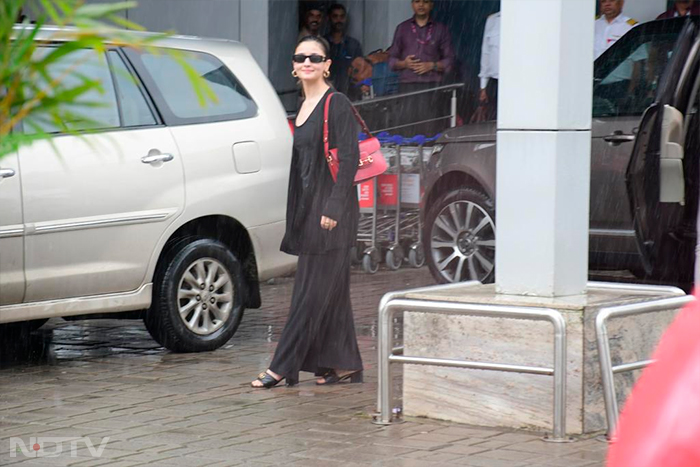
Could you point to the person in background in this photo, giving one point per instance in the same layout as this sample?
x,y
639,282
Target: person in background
x,y
20,17
488,75
313,20
344,49
421,53
611,25
681,8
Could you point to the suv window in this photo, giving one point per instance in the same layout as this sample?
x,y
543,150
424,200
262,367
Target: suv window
x,y
180,102
627,75
134,108
95,109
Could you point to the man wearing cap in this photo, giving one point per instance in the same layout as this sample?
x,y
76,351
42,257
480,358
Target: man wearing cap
x,y
611,25
681,8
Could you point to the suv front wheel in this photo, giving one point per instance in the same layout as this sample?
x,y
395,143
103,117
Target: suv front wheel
x,y
197,301
460,237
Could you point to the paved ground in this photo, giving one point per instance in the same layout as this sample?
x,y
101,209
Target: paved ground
x,y
107,378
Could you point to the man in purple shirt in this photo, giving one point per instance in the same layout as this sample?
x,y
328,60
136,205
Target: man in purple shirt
x,y
421,53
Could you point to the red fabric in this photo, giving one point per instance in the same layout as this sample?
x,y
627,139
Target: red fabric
x,y
660,424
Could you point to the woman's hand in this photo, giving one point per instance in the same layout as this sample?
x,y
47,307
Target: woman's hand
x,y
328,223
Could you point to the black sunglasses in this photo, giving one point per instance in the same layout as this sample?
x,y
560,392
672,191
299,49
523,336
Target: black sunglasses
x,y
314,58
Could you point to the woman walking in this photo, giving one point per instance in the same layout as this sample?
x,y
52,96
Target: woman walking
x,y
322,217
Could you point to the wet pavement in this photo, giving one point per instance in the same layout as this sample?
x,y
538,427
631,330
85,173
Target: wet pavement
x,y
92,379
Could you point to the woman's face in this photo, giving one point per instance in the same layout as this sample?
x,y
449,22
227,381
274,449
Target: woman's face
x,y
308,71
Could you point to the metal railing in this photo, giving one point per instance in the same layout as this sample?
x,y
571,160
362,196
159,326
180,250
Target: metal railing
x,y
607,370
387,355
386,298
452,116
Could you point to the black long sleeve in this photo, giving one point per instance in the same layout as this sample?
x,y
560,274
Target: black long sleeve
x,y
343,130
312,191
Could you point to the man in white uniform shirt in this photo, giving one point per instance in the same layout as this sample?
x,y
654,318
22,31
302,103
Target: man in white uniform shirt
x,y
611,25
488,76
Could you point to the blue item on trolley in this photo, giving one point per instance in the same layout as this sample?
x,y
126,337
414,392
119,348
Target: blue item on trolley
x,y
384,80
387,138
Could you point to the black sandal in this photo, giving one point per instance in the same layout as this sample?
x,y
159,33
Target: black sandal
x,y
332,378
268,381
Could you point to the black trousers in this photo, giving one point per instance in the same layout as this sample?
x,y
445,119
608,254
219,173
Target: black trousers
x,y
320,332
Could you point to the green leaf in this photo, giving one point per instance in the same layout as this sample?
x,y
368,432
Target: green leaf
x,y
52,12
126,23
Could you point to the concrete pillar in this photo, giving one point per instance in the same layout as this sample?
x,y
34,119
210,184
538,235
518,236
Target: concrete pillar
x,y
254,26
544,141
380,20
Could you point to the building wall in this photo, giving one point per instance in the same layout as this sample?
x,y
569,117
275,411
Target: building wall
x,y
283,32
255,30
380,20
209,18
644,10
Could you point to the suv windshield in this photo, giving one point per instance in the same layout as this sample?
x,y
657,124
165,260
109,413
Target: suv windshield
x,y
627,75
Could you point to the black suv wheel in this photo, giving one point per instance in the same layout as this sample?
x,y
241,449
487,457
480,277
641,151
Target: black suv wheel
x,y
460,237
197,300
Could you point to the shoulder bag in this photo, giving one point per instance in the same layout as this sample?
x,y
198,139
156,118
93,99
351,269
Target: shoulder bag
x,y
372,161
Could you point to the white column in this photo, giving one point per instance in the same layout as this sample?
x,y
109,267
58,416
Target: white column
x,y
544,141
254,27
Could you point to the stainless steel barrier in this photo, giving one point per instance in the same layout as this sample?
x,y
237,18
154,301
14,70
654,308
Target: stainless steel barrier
x,y
389,306
641,288
607,370
452,88
402,294
446,88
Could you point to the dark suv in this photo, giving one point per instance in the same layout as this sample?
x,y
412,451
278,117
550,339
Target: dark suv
x,y
643,167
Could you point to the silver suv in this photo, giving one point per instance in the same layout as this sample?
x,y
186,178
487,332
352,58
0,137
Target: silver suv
x,y
644,167
172,207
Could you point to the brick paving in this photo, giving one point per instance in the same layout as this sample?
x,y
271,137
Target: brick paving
x,y
108,378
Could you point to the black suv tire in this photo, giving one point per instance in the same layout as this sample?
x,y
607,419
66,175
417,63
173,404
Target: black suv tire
x,y
180,312
459,236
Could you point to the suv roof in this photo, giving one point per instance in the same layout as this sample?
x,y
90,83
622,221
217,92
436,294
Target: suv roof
x,y
185,42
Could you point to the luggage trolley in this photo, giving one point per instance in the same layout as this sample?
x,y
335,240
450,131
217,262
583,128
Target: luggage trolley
x,y
390,222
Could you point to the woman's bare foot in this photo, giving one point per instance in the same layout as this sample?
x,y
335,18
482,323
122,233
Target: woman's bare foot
x,y
258,384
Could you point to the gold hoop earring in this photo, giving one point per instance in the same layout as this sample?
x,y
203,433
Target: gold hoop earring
x,y
326,74
294,73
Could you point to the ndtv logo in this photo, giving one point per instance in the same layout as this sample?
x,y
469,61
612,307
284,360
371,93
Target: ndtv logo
x,y
52,446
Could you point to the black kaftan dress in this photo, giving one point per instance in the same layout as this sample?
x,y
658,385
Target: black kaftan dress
x,y
320,332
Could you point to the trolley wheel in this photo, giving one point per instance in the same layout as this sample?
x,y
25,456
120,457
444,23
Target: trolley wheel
x,y
369,264
416,256
394,257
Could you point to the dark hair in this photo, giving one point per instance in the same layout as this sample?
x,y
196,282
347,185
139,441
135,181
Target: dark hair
x,y
337,6
319,40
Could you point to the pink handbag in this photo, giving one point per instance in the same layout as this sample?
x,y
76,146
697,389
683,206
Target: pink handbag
x,y
372,161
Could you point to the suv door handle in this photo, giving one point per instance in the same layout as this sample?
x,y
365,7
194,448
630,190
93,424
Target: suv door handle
x,y
7,173
618,138
157,158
